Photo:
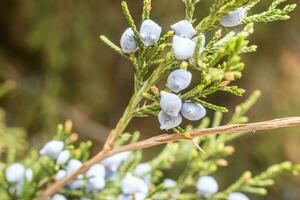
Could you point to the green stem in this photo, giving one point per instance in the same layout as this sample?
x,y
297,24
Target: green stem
x,y
132,106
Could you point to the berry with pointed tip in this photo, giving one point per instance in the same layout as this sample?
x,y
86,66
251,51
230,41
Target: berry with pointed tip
x,y
233,18
127,42
113,162
170,103
237,196
184,29
183,48
52,148
207,186
63,157
131,184
58,197
179,80
60,175
192,111
150,32
169,183
168,122
15,173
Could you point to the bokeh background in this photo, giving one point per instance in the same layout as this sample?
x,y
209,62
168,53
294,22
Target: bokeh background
x,y
51,54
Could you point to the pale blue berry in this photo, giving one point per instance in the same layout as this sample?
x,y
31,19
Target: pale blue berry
x,y
237,196
127,42
207,186
150,32
58,197
63,157
135,196
15,173
84,198
113,162
76,184
184,29
95,184
97,170
52,148
29,174
169,183
73,165
168,122
192,111
170,103
95,178
183,48
131,184
179,80
142,169
233,18
60,175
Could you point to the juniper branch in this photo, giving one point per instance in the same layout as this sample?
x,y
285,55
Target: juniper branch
x,y
163,139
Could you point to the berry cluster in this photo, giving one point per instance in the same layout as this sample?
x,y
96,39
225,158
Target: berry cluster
x,y
183,47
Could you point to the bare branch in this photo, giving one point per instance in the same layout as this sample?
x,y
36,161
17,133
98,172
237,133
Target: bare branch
x,y
163,139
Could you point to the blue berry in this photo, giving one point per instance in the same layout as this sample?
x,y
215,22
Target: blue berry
x,y
179,80
184,29
237,196
168,122
127,42
207,186
170,103
183,48
233,18
150,32
193,111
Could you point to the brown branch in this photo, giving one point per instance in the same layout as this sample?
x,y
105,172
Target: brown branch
x,y
163,139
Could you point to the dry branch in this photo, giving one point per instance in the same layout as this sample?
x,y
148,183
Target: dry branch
x,y
162,139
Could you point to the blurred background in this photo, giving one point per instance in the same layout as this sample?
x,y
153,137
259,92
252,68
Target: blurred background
x,y
50,53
